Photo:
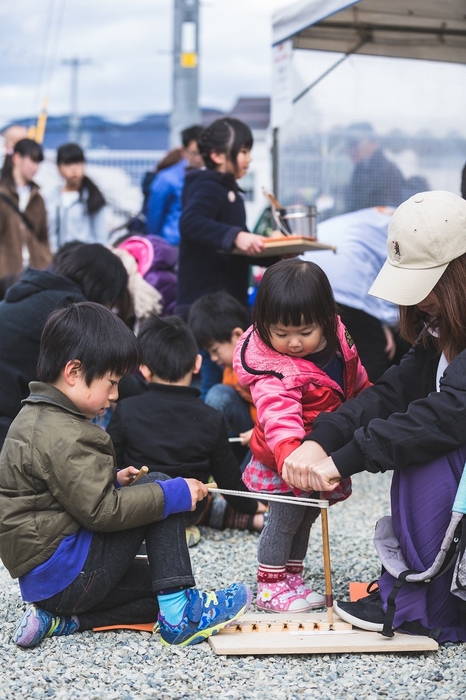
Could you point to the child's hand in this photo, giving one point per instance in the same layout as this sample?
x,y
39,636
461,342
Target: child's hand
x,y
246,437
198,491
310,474
261,507
249,243
125,476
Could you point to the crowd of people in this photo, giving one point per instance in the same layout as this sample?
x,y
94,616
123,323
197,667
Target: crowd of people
x,y
100,361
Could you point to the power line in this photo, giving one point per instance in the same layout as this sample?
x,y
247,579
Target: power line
x,y
52,58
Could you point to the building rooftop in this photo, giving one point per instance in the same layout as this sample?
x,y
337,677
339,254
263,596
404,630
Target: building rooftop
x,y
150,132
254,111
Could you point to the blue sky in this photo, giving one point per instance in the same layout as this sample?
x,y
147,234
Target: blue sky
x,y
129,44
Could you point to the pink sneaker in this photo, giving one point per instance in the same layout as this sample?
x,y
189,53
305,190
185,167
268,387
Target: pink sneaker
x,y
279,597
300,588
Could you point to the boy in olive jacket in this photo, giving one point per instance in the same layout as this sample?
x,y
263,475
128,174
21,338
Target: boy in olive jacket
x,y
70,527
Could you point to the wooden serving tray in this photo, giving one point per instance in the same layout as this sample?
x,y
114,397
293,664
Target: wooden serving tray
x,y
287,245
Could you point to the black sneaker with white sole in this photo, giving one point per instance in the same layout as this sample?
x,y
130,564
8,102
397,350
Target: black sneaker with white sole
x,y
366,613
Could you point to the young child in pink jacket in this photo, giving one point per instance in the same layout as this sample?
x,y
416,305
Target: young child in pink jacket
x,y
298,360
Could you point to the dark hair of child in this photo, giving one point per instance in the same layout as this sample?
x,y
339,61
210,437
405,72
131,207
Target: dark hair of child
x,y
213,318
296,293
192,133
228,136
168,347
93,335
72,153
95,269
25,147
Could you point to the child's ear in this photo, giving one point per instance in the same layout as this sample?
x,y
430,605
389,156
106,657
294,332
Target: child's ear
x,y
218,158
236,334
146,373
197,364
72,372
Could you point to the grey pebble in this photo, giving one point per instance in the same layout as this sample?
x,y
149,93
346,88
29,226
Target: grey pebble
x,y
125,665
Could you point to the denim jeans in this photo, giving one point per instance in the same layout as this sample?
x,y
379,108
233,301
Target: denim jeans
x,y
211,373
237,416
114,587
234,408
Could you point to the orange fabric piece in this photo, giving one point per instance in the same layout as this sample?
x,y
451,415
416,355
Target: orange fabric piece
x,y
357,590
141,627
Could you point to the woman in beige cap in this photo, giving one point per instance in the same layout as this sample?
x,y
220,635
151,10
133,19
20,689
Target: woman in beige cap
x,y
412,421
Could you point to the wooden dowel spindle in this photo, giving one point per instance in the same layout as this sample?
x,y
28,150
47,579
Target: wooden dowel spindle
x,y
327,569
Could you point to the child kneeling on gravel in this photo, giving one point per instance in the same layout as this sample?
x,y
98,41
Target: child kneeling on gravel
x,y
70,526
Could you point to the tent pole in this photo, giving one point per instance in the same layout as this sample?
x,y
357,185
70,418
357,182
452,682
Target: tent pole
x,y
275,162
355,48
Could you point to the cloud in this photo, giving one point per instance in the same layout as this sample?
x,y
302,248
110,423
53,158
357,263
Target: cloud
x,y
129,44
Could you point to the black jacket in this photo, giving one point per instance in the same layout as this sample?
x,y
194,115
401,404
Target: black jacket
x,y
400,421
169,429
22,317
212,216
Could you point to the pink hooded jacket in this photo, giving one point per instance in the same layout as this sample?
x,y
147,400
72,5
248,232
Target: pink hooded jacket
x,y
289,393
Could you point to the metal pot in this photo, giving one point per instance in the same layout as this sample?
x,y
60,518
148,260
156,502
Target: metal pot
x,y
297,220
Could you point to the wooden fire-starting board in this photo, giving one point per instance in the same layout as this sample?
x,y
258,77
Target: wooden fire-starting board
x,y
263,633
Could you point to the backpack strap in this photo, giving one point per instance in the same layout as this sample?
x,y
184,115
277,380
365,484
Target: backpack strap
x,y
391,606
453,550
418,629
26,221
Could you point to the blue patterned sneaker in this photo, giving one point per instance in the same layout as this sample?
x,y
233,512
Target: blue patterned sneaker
x,y
205,614
36,624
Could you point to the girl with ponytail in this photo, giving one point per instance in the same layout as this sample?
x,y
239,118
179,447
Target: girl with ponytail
x,y
77,212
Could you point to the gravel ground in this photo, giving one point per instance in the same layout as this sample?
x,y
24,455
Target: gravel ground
x,y
130,665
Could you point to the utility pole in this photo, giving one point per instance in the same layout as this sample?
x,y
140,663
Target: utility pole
x,y
185,107
74,120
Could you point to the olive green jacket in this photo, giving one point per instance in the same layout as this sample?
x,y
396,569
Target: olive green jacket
x,y
57,474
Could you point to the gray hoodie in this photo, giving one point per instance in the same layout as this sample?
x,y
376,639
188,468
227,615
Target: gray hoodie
x,y
73,223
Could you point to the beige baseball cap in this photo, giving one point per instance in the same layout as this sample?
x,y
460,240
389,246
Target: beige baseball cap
x,y
425,233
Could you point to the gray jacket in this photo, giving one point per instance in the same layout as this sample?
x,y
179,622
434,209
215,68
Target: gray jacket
x,y
73,223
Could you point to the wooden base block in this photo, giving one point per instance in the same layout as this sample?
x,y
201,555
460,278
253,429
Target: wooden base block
x,y
257,634
279,622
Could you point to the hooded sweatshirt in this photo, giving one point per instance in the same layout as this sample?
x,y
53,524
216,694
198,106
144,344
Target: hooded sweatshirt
x,y
289,393
23,314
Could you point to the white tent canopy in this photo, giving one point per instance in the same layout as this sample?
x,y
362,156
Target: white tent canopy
x,y
420,29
